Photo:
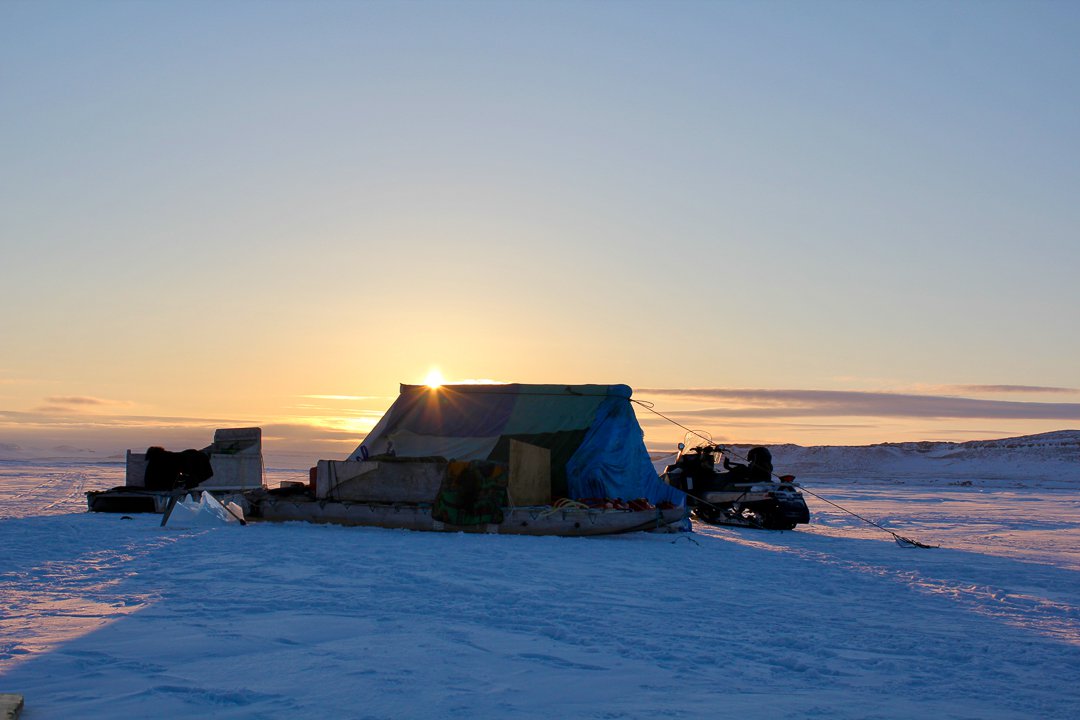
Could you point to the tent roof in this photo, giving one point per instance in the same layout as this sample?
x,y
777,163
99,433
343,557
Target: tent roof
x,y
597,447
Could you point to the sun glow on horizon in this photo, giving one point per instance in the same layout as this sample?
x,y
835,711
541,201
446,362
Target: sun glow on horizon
x,y
434,378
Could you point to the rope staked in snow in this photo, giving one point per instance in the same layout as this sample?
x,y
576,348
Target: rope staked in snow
x,y
900,540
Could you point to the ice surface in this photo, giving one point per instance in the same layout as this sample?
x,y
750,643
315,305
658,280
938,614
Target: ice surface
x,y
106,617
206,511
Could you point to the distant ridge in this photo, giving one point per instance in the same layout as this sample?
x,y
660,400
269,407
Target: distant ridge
x,y
1049,459
1046,459
58,453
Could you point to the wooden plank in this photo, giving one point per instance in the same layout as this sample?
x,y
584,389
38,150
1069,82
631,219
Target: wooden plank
x,y
135,469
10,706
384,481
530,474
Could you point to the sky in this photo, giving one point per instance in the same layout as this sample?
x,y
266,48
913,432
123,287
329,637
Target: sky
x,y
819,223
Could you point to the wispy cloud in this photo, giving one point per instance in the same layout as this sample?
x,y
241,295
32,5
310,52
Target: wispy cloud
x,y
78,400
346,398
315,408
75,404
18,381
299,433
648,420
50,419
331,434
762,403
1002,389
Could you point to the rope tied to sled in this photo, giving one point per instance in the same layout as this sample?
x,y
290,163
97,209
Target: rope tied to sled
x,y
563,504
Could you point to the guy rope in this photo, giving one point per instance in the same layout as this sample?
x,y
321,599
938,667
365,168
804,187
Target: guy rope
x,y
902,541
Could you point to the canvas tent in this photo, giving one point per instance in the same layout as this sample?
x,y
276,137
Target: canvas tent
x,y
596,445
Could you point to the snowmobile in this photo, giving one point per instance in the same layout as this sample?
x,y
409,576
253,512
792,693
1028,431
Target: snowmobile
x,y
746,495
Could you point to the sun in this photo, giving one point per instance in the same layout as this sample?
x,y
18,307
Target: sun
x,y
434,378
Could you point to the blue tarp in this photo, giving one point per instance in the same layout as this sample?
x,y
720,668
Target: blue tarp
x,y
612,461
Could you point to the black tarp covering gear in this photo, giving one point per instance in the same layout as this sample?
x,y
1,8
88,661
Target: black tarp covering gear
x,y
472,493
166,470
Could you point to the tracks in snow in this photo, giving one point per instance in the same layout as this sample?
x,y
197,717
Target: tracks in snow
x,y
1028,609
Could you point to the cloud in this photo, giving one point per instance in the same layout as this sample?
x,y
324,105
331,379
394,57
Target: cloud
x,y
648,420
303,433
335,435
77,404
77,400
349,398
17,381
1005,389
762,403
48,418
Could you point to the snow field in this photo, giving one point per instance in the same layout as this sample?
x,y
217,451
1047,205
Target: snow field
x,y
105,617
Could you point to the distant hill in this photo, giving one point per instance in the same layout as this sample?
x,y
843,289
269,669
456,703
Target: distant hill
x,y
1047,459
60,453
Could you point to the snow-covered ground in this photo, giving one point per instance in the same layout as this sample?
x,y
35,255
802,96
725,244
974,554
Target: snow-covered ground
x,y
106,617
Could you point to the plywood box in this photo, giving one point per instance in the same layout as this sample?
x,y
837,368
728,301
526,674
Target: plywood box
x,y
530,474
382,481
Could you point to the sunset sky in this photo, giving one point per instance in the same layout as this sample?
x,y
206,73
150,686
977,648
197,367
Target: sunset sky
x,y
810,222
